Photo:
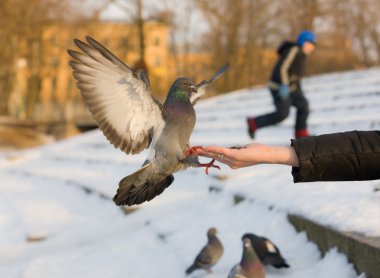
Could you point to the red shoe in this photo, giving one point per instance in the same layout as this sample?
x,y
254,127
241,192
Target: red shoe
x,y
301,133
251,127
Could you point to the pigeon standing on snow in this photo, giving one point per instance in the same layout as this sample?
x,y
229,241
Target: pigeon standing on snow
x,y
209,255
250,265
267,251
120,101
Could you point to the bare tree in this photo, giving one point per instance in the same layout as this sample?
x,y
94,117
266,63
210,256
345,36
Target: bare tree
x,y
135,14
225,21
240,32
359,21
299,14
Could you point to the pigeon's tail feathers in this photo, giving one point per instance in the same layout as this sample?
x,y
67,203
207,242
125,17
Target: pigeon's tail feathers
x,y
190,269
285,265
141,186
281,264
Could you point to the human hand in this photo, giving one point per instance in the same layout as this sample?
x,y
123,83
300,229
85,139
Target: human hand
x,y
251,154
284,92
235,157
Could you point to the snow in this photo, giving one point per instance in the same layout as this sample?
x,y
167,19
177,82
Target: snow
x,y
57,218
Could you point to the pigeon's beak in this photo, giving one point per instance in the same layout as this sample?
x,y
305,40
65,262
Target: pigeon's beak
x,y
193,89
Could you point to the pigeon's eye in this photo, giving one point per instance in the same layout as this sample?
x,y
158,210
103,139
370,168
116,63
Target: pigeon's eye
x,y
186,84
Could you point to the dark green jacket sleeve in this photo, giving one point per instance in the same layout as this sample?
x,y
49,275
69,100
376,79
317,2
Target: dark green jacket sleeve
x,y
347,156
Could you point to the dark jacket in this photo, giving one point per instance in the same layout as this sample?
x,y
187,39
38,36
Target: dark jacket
x,y
347,156
290,66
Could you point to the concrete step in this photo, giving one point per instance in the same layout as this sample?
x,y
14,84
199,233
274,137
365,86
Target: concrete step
x,y
362,251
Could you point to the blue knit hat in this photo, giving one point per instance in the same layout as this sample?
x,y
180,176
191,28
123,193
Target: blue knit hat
x,y
306,36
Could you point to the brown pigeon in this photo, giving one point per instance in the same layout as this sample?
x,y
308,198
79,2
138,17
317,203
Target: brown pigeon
x,y
209,255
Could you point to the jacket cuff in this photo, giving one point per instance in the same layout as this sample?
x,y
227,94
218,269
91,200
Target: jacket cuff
x,y
296,171
305,171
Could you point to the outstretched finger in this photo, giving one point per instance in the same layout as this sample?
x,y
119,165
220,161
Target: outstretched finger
x,y
208,154
213,149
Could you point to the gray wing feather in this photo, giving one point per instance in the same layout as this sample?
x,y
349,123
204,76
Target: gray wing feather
x,y
118,98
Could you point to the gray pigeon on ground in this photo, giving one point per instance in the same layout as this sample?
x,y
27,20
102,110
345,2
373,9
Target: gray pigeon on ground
x,y
209,255
121,102
267,251
250,265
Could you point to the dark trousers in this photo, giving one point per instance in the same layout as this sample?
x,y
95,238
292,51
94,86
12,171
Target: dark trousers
x,y
296,99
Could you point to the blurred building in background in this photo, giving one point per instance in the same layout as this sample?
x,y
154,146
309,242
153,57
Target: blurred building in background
x,y
59,96
42,87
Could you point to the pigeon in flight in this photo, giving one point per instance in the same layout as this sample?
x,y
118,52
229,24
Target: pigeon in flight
x,y
121,102
267,251
209,255
250,265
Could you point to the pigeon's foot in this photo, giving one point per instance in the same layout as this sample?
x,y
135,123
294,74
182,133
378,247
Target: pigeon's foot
x,y
209,165
192,151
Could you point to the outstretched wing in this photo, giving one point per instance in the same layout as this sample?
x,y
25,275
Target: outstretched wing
x,y
201,87
118,98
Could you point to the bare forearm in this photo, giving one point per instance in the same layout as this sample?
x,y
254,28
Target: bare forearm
x,y
280,155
